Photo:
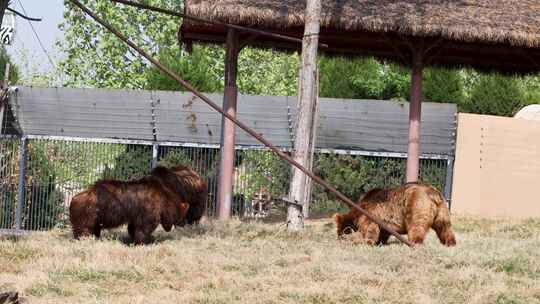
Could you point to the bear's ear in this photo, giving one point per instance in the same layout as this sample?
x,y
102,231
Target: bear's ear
x,y
338,218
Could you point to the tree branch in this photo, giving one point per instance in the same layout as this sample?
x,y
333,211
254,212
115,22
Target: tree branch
x,y
23,16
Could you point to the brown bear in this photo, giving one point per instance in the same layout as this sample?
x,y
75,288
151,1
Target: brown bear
x,y
410,209
194,191
165,196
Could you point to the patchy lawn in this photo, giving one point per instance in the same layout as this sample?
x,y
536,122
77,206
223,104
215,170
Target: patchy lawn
x,y
496,261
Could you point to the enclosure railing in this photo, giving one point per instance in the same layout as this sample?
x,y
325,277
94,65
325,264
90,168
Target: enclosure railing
x,y
40,174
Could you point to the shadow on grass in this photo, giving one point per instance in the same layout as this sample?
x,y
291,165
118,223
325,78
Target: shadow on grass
x,y
159,235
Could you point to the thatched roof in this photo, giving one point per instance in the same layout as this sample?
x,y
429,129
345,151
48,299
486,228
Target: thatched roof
x,y
500,21
512,26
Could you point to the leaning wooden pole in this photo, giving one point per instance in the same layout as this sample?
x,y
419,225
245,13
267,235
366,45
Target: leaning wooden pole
x,y
230,96
307,96
241,125
415,116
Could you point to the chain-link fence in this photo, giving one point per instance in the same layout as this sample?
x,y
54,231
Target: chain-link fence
x,y
9,172
55,169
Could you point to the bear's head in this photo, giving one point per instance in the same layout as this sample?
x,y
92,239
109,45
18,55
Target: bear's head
x,y
344,223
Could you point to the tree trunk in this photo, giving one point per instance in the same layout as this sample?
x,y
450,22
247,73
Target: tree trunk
x,y
306,109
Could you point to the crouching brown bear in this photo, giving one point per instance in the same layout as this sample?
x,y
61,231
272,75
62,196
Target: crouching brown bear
x,y
410,209
168,197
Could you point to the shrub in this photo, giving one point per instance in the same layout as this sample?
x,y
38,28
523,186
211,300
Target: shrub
x,y
495,95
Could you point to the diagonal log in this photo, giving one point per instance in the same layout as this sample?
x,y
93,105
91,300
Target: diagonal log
x,y
241,125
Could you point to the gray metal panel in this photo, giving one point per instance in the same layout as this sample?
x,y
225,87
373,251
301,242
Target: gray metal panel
x,y
184,117
83,112
367,125
376,125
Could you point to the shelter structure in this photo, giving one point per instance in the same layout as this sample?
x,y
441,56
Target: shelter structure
x,y
488,35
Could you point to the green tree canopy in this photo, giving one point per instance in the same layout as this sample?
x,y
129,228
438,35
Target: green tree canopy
x,y
13,69
96,58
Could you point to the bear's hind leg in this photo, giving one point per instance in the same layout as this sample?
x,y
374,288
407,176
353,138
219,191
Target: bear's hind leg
x,y
416,233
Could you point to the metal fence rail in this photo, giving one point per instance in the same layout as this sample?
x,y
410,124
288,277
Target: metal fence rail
x,y
56,168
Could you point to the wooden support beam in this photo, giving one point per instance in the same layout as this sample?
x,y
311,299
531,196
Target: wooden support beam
x,y
307,97
311,149
415,113
226,164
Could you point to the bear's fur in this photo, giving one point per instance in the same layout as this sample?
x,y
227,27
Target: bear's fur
x,y
410,209
165,196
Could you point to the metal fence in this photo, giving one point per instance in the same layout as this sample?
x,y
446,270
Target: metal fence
x,y
56,168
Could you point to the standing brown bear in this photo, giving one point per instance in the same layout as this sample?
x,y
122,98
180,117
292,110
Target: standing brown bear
x,y
165,196
410,209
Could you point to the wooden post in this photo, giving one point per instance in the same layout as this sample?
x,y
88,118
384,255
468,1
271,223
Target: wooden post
x,y
415,114
306,106
226,165
311,149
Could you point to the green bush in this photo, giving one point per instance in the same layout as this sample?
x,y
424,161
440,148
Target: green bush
x,y
495,94
264,169
353,176
8,201
442,85
196,68
44,203
13,69
174,158
364,78
134,162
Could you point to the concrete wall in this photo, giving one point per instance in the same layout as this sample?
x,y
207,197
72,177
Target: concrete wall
x,y
497,167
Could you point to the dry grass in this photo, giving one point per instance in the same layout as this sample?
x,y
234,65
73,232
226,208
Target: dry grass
x,y
496,261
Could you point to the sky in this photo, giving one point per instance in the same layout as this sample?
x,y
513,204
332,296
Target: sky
x,y
25,50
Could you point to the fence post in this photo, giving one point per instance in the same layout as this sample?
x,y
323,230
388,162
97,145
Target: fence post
x,y
448,180
155,149
21,192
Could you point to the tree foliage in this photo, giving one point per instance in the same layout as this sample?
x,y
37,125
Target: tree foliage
x,y
13,69
96,58
201,69
496,95
443,85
